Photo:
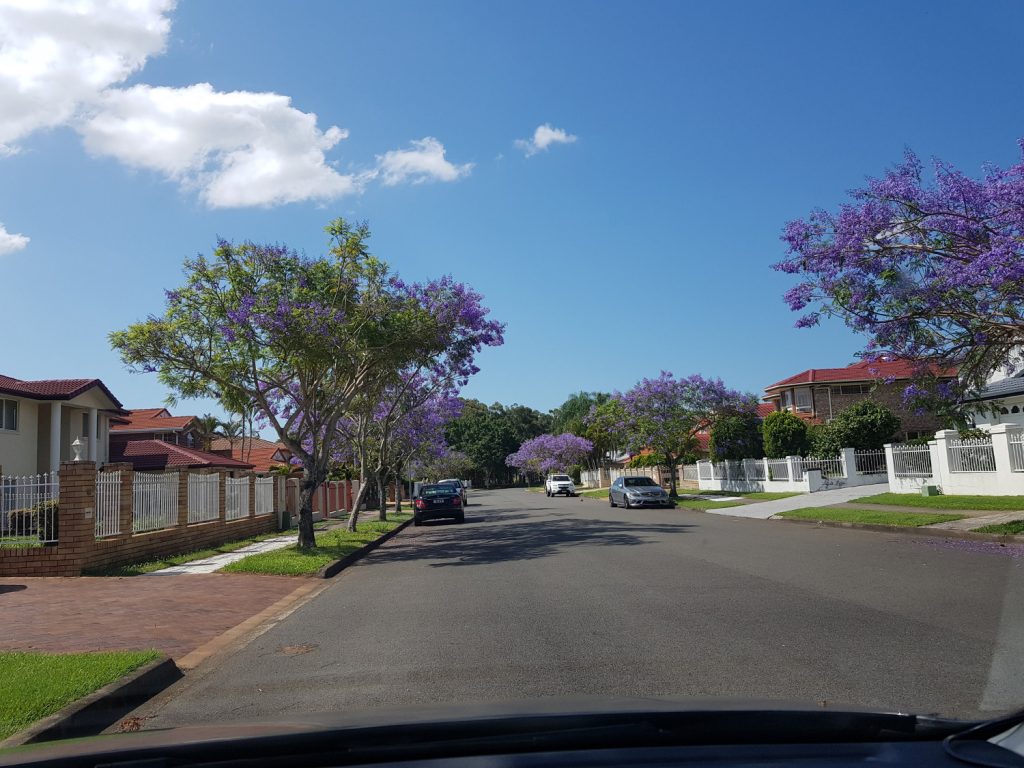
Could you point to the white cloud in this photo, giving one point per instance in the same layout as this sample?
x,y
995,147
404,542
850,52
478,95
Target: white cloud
x,y
543,137
238,149
10,243
56,55
424,161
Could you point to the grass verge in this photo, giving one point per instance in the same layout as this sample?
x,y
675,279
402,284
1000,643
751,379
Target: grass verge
x,y
869,516
148,566
701,504
35,685
1004,503
1012,528
330,546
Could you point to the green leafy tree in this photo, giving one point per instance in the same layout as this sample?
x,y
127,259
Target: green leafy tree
x,y
604,427
784,435
865,425
736,436
207,426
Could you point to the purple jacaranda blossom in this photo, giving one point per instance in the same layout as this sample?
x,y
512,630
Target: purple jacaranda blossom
x,y
550,453
929,268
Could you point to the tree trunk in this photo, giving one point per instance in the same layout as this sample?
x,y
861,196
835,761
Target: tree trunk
x,y
307,487
398,493
382,492
353,516
672,477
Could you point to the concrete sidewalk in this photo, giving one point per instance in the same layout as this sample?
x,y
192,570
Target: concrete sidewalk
x,y
975,522
764,509
215,563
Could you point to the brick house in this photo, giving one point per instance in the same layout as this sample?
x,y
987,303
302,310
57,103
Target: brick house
x,y
261,454
818,394
155,424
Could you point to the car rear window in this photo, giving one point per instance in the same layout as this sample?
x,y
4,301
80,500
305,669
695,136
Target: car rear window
x,y
437,490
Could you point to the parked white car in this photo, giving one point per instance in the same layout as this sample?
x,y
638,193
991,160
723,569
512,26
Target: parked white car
x,y
556,484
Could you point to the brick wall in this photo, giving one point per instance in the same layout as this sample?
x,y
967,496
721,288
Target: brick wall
x,y
78,548
889,395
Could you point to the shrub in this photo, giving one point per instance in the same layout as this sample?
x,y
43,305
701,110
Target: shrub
x,y
736,436
784,435
866,425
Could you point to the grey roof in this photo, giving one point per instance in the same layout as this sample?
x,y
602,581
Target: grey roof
x,y
999,389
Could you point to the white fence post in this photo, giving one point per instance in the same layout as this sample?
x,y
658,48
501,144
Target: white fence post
x,y
848,458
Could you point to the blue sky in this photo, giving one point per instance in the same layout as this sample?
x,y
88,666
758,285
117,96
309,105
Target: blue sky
x,y
642,244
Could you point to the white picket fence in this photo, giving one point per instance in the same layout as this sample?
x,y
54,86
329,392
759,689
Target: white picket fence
x,y
108,504
236,498
264,489
870,462
154,501
1016,443
28,509
203,498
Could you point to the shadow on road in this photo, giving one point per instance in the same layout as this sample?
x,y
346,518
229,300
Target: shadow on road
x,y
502,539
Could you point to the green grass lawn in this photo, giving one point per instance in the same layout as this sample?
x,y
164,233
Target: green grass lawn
x,y
20,542
1006,503
597,493
870,516
34,685
706,504
1013,528
330,546
148,566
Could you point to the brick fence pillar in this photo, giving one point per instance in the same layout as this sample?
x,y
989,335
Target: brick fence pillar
x,y
183,498
250,478
221,489
76,533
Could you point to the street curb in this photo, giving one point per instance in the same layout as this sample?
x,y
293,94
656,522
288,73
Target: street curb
x,y
333,569
997,538
91,714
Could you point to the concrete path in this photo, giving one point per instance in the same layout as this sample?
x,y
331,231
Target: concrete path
x,y
215,563
765,509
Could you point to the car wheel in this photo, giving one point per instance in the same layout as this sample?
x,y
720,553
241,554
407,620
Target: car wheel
x,y
416,521
611,499
461,518
625,501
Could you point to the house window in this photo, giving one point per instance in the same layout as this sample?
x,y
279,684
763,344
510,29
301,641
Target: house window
x,y
852,389
9,415
85,425
803,400
787,399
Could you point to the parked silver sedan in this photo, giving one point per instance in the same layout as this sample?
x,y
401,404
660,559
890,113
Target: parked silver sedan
x,y
638,492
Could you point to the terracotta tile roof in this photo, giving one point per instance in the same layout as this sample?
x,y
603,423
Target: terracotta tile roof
x,y
262,454
151,420
157,454
52,389
763,409
860,371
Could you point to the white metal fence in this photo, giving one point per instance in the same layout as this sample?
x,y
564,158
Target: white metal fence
x,y
236,498
705,471
911,460
972,455
264,495
690,473
870,462
203,498
28,509
1016,442
108,504
830,466
154,501
778,469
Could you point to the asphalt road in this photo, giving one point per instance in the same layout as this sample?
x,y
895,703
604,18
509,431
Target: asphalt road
x,y
536,597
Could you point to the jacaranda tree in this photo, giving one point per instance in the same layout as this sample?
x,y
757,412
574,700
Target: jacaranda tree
x,y
549,453
665,414
929,269
295,340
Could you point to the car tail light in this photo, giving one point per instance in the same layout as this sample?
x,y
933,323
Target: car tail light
x,y
458,501
421,504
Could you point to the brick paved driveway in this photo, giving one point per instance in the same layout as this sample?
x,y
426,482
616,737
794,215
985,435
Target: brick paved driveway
x,y
173,614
